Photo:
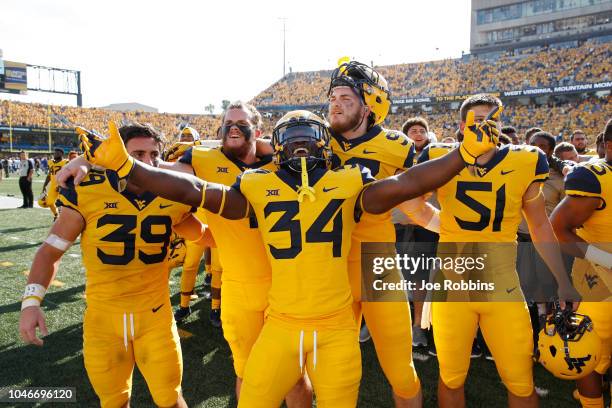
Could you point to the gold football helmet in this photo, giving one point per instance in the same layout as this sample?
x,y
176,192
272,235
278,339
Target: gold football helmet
x,y
568,346
369,84
42,200
189,132
301,133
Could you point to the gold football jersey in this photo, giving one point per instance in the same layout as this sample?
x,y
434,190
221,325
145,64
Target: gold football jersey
x,y
485,205
124,244
307,242
55,167
384,152
241,251
593,179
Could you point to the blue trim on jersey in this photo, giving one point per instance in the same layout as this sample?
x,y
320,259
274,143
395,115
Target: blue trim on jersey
x,y
582,179
294,180
424,156
236,184
187,157
500,155
242,165
542,164
369,135
409,162
70,193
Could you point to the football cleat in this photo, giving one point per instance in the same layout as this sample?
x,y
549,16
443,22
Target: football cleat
x,y
215,318
568,346
182,313
369,84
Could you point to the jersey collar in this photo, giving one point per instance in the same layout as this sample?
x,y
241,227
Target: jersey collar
x,y
140,201
500,155
348,144
243,166
294,180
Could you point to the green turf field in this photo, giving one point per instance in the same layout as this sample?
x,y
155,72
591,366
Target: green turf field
x,y
208,374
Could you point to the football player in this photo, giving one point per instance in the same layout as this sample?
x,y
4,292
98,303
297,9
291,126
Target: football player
x,y
306,214
483,205
359,101
246,279
124,242
583,223
49,196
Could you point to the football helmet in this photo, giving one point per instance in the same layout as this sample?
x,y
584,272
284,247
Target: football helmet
x,y
568,346
301,134
367,83
42,200
189,131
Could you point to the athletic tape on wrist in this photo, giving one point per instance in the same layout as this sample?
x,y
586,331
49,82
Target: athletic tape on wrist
x,y
33,295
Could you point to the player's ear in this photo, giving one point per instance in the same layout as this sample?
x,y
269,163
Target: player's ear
x,y
257,133
461,126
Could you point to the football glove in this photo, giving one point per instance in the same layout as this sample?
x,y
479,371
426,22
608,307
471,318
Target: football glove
x,y
479,138
108,152
178,149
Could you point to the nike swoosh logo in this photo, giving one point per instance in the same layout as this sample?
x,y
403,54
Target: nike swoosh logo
x,y
161,206
367,151
155,309
503,173
510,290
325,189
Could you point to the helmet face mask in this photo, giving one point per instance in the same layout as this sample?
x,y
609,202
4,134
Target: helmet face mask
x,y
368,84
301,134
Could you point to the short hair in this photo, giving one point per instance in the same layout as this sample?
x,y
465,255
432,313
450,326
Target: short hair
x,y
530,132
508,129
564,147
133,130
458,135
599,139
608,131
504,139
550,139
254,115
577,132
477,100
417,120
59,149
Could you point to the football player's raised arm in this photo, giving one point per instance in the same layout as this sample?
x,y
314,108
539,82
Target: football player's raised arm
x,y
190,190
546,243
383,195
44,267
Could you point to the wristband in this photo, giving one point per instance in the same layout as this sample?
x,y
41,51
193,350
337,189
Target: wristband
x,y
33,295
598,256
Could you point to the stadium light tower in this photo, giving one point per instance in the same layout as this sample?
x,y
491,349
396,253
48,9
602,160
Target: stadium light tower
x,y
284,20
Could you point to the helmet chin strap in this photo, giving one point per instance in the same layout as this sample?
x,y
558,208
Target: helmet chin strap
x,y
361,121
305,189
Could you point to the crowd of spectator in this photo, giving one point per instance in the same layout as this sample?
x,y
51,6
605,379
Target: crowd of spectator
x,y
542,67
55,116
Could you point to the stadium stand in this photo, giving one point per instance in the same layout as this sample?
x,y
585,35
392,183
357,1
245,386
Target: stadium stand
x,y
518,69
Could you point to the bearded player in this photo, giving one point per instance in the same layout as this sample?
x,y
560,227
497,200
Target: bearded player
x,y
124,241
305,213
48,196
583,223
359,101
483,205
